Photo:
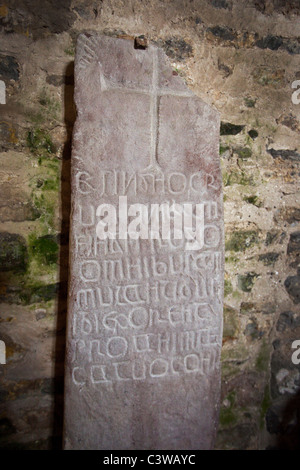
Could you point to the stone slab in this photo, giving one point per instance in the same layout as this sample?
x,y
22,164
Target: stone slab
x,y
144,327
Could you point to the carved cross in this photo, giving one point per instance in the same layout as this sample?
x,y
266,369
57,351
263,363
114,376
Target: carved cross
x,y
155,92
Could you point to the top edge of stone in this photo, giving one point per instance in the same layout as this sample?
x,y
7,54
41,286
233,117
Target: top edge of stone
x,y
89,42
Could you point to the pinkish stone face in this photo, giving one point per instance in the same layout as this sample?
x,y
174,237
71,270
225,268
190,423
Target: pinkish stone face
x,y
146,275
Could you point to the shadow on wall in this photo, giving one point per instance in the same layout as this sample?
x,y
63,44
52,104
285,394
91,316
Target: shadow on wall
x,y
283,420
69,118
290,425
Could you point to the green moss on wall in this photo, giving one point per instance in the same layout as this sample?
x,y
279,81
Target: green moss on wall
x,y
46,210
39,142
231,323
246,281
50,105
262,360
254,200
45,194
249,102
223,149
44,249
227,287
46,110
40,283
39,292
237,177
232,259
265,404
228,415
232,357
244,153
241,240
70,50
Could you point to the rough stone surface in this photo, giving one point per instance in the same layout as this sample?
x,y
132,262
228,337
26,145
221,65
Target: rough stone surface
x,y
9,68
144,317
13,252
292,285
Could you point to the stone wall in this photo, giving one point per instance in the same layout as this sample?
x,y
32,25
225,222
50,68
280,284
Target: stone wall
x,y
240,56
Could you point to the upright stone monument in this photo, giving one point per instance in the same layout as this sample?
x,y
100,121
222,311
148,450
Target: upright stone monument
x,y
146,255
